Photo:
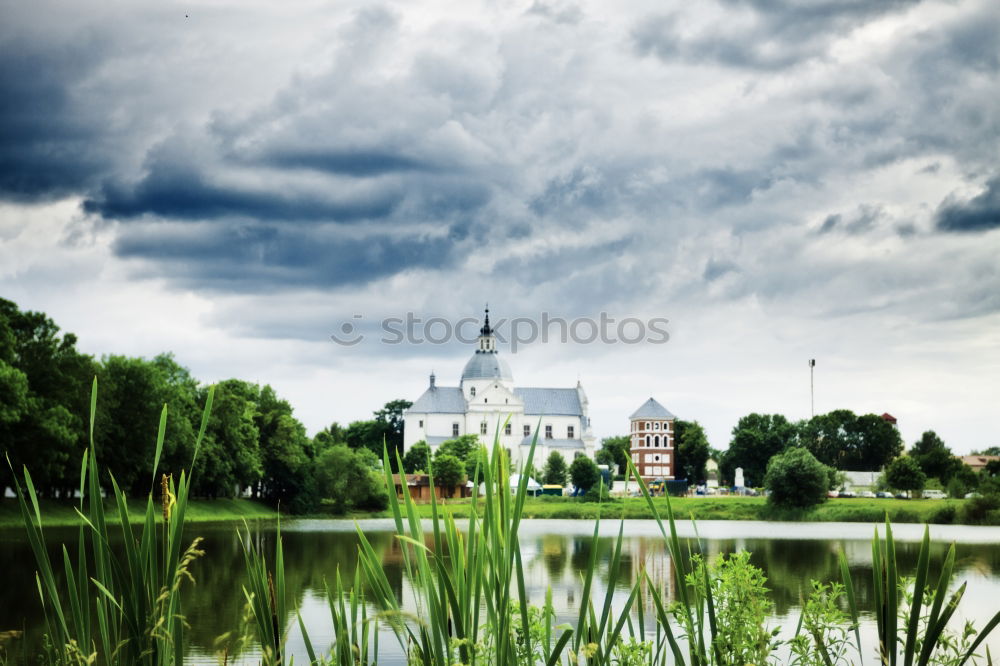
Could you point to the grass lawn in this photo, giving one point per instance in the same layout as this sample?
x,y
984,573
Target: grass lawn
x,y
729,508
59,513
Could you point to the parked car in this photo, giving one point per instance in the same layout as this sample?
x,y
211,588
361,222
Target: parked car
x,y
883,495
934,493
867,494
972,494
902,496
846,493
833,493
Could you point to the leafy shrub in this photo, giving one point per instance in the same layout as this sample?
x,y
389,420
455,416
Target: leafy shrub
x,y
976,509
796,479
597,493
945,515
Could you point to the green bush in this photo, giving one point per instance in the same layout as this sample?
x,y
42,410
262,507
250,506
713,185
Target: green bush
x,y
976,509
796,479
597,493
945,515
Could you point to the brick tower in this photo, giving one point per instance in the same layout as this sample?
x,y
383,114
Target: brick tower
x,y
652,441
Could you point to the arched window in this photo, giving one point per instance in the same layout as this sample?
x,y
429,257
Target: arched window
x,y
472,392
647,425
656,426
647,440
656,441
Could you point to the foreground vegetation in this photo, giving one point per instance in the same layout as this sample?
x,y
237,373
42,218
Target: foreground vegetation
x,y
472,607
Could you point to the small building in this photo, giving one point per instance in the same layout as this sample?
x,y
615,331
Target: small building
x,y
651,436
978,462
888,418
419,487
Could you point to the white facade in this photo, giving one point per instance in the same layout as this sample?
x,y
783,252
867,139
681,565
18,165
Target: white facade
x,y
486,399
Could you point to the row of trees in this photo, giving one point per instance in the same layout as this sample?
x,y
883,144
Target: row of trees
x,y
840,439
253,443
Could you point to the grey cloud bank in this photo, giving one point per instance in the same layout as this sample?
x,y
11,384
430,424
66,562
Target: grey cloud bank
x,y
828,169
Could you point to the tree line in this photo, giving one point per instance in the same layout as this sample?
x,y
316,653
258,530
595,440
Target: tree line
x,y
253,443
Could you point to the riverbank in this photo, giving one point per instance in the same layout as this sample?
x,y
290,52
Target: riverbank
x,y
58,513
855,510
945,512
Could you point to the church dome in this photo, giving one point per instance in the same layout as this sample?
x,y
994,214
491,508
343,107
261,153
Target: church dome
x,y
487,365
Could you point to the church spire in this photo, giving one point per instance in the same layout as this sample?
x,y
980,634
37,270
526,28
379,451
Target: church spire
x,y
486,330
487,343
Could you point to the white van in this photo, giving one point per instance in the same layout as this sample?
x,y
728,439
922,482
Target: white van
x,y
935,494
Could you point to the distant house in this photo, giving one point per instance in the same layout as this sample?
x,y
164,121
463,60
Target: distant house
x,y
978,462
889,418
419,487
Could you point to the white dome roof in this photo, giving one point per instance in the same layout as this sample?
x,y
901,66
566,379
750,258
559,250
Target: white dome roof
x,y
487,365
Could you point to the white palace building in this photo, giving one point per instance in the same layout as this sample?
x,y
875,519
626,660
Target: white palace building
x,y
486,396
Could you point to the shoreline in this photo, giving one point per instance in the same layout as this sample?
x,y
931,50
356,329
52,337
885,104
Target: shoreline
x,y
59,513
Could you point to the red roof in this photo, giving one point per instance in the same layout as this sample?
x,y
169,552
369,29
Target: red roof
x,y
888,417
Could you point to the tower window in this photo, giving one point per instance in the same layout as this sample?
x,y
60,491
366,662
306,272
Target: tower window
x,y
569,432
507,429
656,441
527,431
472,392
421,423
454,430
548,432
485,400
647,440
656,426
482,428
647,425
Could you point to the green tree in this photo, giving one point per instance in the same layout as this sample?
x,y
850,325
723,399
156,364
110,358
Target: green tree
x,y
904,473
391,419
460,447
372,435
132,394
618,446
345,478
286,453
331,435
49,432
934,457
605,457
847,441
692,451
988,451
230,456
584,474
795,478
555,471
756,438
415,460
449,471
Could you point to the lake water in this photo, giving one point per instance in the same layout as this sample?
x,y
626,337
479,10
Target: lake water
x,y
555,552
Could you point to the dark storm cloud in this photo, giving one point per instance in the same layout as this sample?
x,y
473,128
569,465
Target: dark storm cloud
x,y
261,257
980,213
758,34
358,163
50,145
179,191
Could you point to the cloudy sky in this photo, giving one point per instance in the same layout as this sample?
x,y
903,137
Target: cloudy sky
x,y
233,181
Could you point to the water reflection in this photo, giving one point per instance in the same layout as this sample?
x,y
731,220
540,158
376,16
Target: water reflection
x,y
555,554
